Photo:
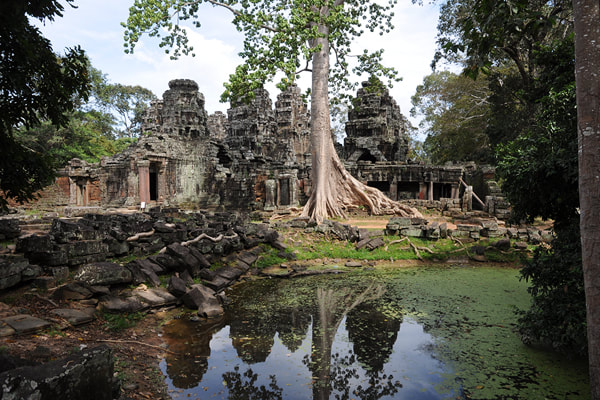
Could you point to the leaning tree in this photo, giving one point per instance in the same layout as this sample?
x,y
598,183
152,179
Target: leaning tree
x,y
289,37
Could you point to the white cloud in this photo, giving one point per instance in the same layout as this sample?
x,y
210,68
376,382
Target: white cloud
x,y
96,26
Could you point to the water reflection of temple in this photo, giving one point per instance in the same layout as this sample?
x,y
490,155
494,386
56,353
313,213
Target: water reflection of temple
x,y
253,327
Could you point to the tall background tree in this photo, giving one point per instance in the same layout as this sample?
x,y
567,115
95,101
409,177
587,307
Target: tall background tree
x,y
95,126
587,63
455,113
290,37
35,85
125,102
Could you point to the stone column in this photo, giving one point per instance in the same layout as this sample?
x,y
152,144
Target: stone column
x,y
144,181
430,191
455,191
468,199
422,190
394,189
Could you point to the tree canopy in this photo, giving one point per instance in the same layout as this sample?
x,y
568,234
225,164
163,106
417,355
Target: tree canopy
x,y
525,50
35,85
280,37
455,112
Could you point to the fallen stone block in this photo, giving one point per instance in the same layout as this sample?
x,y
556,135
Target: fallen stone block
x,y
210,310
86,375
156,297
353,264
198,295
229,273
218,283
247,257
71,291
23,323
103,273
9,229
176,286
122,304
375,243
73,316
11,270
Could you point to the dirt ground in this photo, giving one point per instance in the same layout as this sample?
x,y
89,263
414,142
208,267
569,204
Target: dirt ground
x,y
137,351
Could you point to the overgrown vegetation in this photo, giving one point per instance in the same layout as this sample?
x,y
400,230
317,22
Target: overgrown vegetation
x,y
557,314
525,50
310,247
121,321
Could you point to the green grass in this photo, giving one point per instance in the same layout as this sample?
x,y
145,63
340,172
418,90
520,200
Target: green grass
x,y
310,247
268,258
119,322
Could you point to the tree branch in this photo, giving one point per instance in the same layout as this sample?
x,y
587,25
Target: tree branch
x,y
238,14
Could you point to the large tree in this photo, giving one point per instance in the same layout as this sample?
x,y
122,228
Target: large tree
x,y
35,85
455,112
127,103
587,65
290,37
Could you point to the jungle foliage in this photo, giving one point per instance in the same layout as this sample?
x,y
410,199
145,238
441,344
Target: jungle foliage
x,y
35,85
54,107
525,50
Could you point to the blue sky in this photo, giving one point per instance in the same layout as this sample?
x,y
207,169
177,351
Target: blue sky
x,y
95,25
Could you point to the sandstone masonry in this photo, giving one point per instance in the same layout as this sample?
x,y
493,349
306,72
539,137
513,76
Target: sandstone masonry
x,y
258,158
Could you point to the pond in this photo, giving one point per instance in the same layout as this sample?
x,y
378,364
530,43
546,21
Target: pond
x,y
391,333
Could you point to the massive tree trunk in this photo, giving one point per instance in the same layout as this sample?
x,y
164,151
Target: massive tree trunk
x,y
587,66
333,188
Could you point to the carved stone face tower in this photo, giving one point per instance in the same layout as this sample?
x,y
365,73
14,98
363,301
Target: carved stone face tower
x,y
376,128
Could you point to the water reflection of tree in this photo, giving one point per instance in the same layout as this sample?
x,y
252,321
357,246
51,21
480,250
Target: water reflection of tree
x,y
373,334
335,372
191,345
252,336
292,325
243,386
260,313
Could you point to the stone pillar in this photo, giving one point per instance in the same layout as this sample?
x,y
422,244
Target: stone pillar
x,y
394,189
455,191
422,190
72,191
144,181
270,193
430,191
468,199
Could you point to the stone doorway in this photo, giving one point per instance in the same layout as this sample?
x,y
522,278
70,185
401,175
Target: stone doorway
x,y
81,193
153,181
284,192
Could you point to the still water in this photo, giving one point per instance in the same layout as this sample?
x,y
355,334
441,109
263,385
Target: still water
x,y
426,333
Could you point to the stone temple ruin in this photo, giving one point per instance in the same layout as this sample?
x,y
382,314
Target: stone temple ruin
x,y
258,158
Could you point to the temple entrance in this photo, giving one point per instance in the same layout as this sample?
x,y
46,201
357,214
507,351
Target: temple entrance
x,y
383,186
408,190
81,193
153,184
284,192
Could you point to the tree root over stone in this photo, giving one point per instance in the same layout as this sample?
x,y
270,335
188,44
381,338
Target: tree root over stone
x,y
415,248
336,190
212,239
